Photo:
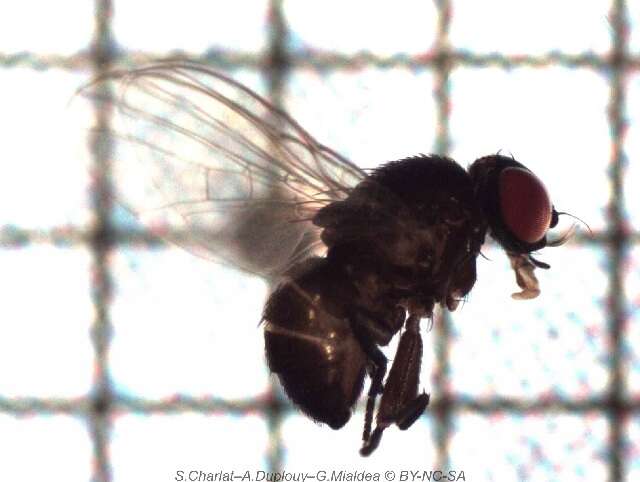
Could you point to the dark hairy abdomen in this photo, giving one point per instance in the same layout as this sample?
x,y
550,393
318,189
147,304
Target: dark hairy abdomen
x,y
310,344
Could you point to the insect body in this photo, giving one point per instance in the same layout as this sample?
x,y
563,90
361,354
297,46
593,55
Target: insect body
x,y
405,239
355,258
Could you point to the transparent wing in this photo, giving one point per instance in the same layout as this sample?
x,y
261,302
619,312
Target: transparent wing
x,y
208,164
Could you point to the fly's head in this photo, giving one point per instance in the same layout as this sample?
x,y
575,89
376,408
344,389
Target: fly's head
x,y
515,203
519,213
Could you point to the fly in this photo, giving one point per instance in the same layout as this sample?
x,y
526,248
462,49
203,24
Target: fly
x,y
356,258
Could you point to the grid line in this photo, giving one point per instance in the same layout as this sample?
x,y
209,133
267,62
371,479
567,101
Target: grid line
x,y
275,65
277,70
618,244
102,56
622,62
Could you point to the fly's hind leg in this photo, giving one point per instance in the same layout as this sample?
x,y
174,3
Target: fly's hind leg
x,y
370,334
400,402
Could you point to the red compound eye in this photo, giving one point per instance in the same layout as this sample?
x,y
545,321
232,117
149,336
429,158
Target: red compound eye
x,y
524,204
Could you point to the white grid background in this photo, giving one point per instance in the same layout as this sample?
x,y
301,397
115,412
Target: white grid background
x,y
129,361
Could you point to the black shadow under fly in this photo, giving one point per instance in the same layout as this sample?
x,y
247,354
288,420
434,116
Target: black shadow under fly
x,y
210,165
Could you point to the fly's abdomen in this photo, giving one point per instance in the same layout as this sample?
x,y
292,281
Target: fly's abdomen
x,y
311,347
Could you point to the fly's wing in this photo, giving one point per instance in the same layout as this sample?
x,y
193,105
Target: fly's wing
x,y
208,164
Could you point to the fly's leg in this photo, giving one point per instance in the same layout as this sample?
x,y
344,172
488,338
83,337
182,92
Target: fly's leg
x,y
378,371
400,402
370,335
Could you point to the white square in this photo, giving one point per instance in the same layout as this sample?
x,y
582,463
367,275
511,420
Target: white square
x,y
40,28
378,27
530,27
183,325
45,183
47,316
631,166
371,116
631,335
168,447
193,26
508,446
45,447
633,15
